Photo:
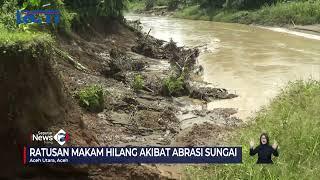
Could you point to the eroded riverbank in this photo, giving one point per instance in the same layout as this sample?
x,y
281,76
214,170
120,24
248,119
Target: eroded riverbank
x,y
146,92
193,114
252,62
148,116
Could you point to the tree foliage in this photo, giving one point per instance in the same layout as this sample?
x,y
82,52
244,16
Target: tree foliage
x,y
7,13
216,4
248,4
209,4
149,4
68,9
234,4
112,8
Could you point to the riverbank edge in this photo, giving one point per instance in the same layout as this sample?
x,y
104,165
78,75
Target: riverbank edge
x,y
306,29
256,128
251,17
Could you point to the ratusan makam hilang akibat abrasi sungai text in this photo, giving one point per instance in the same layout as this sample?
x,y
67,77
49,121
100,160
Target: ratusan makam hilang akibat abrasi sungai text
x,y
139,154
216,151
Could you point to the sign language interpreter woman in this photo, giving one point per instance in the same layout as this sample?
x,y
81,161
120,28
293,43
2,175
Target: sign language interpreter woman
x,y
264,150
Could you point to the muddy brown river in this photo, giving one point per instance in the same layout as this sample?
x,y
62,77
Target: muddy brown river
x,y
253,62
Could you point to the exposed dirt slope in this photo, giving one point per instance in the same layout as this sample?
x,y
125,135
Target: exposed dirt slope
x,y
38,94
32,100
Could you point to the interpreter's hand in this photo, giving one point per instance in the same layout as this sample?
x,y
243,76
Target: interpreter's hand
x,y
275,145
251,143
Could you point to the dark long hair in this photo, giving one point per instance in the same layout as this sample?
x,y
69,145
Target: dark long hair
x,y
265,135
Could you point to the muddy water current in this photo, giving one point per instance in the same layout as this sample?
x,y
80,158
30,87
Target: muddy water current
x,y
253,62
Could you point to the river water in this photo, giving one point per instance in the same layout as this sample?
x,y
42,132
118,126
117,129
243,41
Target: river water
x,y
253,62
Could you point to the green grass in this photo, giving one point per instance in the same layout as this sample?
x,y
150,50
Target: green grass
x,y
194,13
91,98
280,14
293,120
33,44
138,82
284,13
8,38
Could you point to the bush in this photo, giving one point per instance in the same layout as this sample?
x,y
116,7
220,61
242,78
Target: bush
x,y
285,13
248,4
173,5
138,83
93,8
149,4
163,2
7,14
210,4
173,85
92,98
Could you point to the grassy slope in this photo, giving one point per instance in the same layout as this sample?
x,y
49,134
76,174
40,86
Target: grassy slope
x,y
11,38
280,14
293,120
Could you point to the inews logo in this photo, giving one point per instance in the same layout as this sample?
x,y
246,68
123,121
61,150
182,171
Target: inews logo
x,y
37,16
47,137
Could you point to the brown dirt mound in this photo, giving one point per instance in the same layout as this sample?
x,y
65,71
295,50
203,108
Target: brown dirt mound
x,y
204,134
165,120
32,99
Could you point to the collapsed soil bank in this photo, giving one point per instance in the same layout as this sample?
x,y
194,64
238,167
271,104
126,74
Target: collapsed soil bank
x,y
38,95
32,100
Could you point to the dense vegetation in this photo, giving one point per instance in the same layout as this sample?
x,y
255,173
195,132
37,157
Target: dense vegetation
x,y
275,13
71,10
270,12
293,120
112,8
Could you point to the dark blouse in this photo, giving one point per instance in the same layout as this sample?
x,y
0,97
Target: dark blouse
x,y
265,152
